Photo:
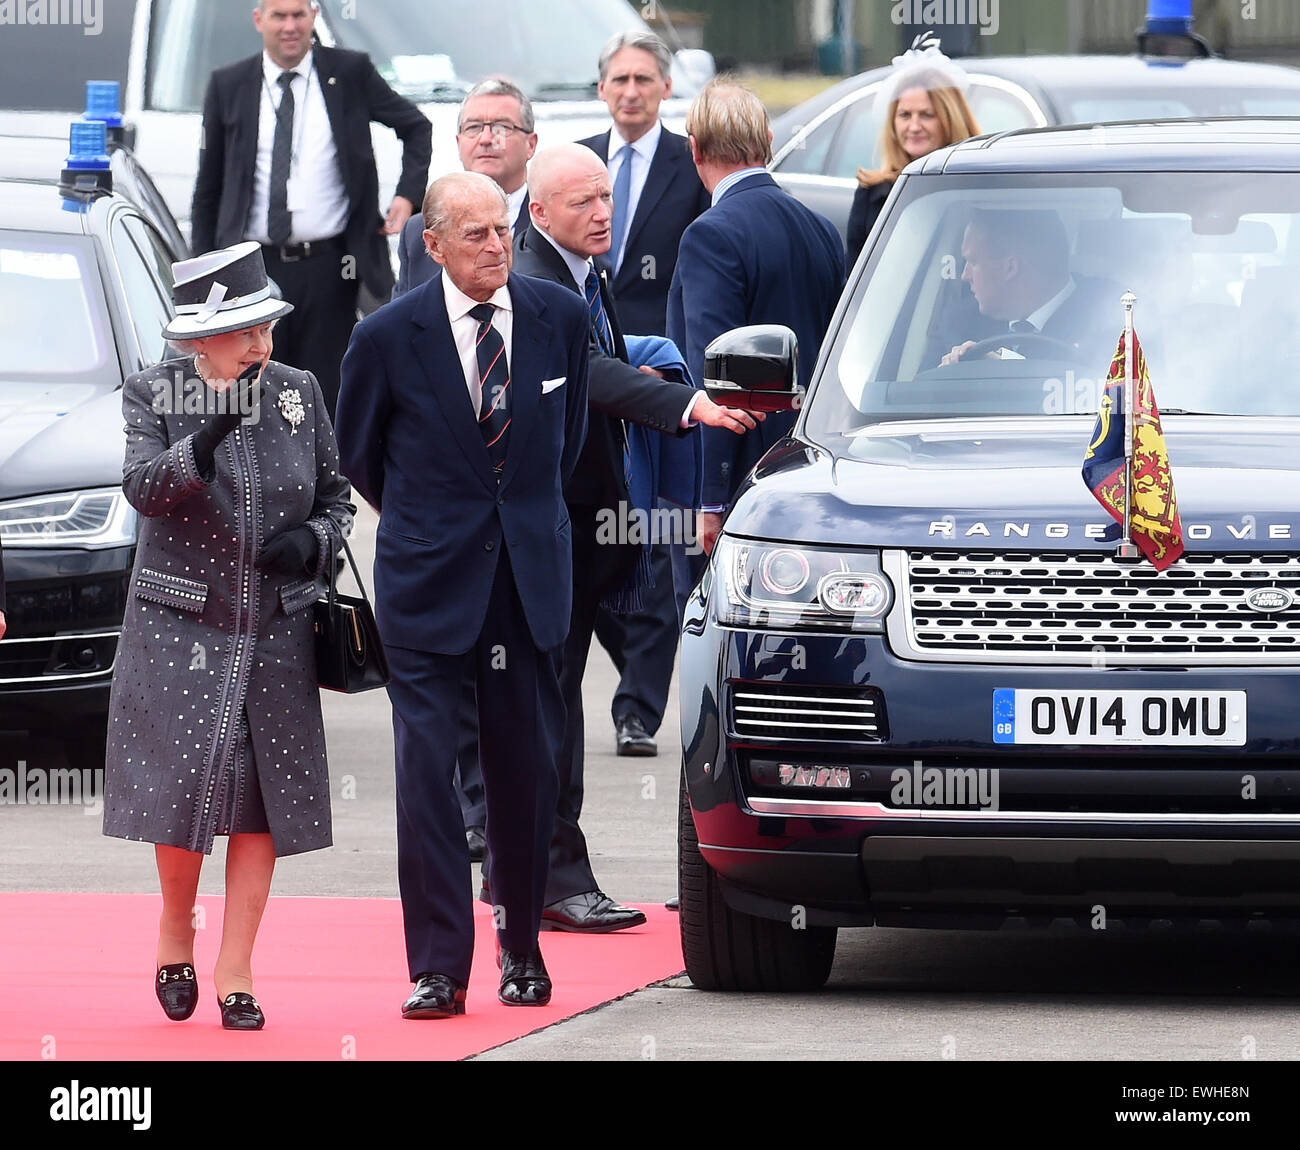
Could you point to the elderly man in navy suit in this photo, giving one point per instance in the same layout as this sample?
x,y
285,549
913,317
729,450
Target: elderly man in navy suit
x,y
461,417
494,136
756,256
656,195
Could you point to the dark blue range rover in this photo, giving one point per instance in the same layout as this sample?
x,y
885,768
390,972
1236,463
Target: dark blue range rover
x,y
919,686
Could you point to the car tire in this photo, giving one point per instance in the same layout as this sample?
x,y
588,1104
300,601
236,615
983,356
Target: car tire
x,y
727,950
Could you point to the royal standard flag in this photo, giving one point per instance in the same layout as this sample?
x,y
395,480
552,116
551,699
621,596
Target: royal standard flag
x,y
1153,514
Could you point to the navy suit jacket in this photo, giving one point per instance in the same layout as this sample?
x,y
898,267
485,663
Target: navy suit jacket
x,y
757,256
355,94
671,199
408,435
414,265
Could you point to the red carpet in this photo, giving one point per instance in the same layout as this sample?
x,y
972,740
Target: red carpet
x,y
75,972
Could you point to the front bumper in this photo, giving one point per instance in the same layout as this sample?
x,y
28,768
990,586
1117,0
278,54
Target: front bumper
x,y
1138,831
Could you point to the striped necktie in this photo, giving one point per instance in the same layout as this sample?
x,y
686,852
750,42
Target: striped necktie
x,y
599,320
494,386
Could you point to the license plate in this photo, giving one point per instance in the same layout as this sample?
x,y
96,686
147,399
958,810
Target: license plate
x,y
1115,718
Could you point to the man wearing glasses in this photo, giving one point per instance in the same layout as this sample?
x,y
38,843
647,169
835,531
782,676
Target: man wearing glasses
x,y
494,136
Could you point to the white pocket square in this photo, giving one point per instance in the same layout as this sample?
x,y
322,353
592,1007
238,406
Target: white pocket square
x,y
549,385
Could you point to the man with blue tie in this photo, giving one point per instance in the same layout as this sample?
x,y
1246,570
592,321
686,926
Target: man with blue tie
x,y
494,136
461,416
657,193
571,213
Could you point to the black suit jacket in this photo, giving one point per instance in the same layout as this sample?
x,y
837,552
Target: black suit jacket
x,y
355,94
414,266
406,431
672,197
615,389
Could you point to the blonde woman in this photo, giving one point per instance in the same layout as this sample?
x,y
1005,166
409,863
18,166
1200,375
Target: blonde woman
x,y
925,110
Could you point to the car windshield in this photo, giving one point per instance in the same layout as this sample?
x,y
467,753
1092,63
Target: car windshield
x,y
1088,106
43,277
441,49
936,324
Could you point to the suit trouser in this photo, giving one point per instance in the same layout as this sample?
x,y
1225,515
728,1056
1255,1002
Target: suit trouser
x,y
521,717
315,334
643,646
469,776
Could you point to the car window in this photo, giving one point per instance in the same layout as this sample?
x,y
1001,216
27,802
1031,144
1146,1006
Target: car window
x,y
1212,258
187,40
40,277
96,47
146,297
997,109
1083,107
808,153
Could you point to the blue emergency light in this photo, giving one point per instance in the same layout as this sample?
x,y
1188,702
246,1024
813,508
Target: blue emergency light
x,y
1169,17
86,173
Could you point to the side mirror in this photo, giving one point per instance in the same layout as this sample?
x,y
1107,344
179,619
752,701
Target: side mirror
x,y
754,368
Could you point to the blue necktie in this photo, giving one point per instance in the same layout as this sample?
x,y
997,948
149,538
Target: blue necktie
x,y
622,190
599,320
494,386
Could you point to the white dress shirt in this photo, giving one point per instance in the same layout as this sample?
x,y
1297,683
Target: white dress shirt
x,y
1042,314
643,151
728,182
464,330
578,267
318,202
514,201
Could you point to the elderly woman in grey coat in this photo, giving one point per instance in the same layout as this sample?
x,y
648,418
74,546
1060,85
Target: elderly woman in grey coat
x,y
215,722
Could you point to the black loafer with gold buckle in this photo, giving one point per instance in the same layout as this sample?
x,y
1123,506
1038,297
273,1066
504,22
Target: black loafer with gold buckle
x,y
177,990
241,1012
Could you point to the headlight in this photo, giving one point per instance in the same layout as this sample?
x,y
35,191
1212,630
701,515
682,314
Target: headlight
x,y
787,585
91,519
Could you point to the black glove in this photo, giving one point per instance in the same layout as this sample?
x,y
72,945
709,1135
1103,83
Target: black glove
x,y
206,439
293,553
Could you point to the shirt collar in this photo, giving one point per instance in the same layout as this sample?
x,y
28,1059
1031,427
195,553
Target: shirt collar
x,y
459,304
644,147
728,182
513,200
578,265
1042,314
271,70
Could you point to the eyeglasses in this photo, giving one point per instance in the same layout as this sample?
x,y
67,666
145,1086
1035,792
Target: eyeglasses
x,y
500,129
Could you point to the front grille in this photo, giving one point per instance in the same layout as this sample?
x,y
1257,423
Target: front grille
x,y
1089,607
810,713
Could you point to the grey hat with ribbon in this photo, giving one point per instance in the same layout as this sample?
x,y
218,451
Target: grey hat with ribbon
x,y
222,291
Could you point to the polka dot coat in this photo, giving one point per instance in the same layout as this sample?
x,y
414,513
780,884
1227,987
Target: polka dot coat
x,y
209,635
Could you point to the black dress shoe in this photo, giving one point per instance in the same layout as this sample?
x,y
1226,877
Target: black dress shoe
x,y
524,981
632,737
435,996
591,912
240,1011
177,990
674,903
476,840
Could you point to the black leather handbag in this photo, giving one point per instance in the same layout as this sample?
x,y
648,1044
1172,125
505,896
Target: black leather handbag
x,y
349,653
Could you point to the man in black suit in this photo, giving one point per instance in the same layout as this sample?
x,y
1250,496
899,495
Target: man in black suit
x,y
495,136
571,213
657,193
1017,264
461,417
287,161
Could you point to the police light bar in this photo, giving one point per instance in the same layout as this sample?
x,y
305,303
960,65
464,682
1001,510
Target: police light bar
x,y
1167,35
87,173
104,103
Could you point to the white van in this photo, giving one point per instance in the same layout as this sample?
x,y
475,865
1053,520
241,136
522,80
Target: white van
x,y
431,51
